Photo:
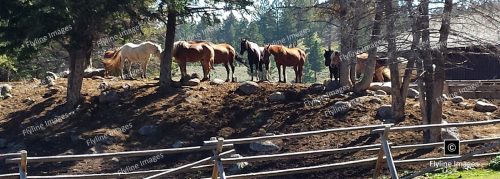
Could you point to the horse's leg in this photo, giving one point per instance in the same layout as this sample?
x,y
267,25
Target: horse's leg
x,y
296,69
279,72
232,68
227,71
122,66
331,73
268,75
284,74
129,67
206,70
301,72
261,77
144,69
182,66
251,71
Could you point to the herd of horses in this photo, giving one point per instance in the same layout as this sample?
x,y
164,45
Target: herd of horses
x,y
209,54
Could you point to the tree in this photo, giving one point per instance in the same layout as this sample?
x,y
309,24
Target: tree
x,y
76,25
314,53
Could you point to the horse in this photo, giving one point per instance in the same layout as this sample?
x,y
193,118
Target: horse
x,y
133,53
332,65
254,57
223,54
284,56
184,52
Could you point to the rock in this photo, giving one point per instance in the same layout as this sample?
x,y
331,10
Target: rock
x,y
375,100
28,101
179,144
450,132
116,160
90,72
126,86
108,97
98,78
276,96
237,166
51,82
103,86
340,107
7,96
147,130
64,74
3,142
216,81
385,112
384,87
249,87
5,89
380,92
193,82
482,106
51,92
52,75
457,99
264,146
412,93
317,87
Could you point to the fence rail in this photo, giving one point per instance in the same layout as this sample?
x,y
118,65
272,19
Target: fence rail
x,y
218,165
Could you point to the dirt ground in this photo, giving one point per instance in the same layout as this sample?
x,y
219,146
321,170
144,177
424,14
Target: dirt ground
x,y
193,115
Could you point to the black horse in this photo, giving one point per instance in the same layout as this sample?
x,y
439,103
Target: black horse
x,y
254,57
334,71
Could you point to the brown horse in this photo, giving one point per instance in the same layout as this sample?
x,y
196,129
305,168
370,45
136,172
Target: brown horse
x,y
287,57
184,52
224,54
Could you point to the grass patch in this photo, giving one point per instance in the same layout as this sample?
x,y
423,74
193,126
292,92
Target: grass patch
x,y
477,173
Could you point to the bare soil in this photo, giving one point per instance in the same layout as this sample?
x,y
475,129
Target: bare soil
x,y
194,114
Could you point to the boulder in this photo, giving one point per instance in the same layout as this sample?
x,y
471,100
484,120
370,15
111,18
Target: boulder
x,y
147,130
51,92
193,82
90,72
5,89
216,81
457,99
237,166
52,75
340,107
482,106
98,78
64,74
194,75
450,132
103,86
384,87
249,87
276,96
126,86
412,93
179,144
317,87
264,146
385,112
380,92
108,97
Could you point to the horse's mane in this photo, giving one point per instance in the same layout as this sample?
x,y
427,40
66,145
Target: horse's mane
x,y
114,63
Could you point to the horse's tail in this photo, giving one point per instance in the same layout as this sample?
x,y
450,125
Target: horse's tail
x,y
114,63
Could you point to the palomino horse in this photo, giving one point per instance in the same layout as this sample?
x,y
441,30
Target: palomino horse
x,y
331,61
184,52
224,54
287,57
133,53
254,57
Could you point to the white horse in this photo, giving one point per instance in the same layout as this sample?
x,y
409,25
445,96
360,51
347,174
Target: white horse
x,y
138,53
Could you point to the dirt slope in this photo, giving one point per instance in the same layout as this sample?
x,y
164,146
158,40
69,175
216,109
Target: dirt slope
x,y
193,115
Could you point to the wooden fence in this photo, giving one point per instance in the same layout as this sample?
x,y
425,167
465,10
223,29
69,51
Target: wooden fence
x,y
217,161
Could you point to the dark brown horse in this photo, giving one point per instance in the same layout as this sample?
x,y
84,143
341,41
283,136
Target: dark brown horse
x,y
287,57
332,61
184,52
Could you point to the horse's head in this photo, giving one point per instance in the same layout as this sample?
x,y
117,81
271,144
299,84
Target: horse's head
x,y
266,52
243,46
328,57
154,49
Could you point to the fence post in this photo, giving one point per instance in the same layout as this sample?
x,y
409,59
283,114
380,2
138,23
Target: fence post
x,y
23,165
218,169
385,149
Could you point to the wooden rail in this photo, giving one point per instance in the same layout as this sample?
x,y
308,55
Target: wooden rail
x,y
294,135
141,153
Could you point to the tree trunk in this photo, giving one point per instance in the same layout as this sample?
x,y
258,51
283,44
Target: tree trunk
x,y
75,77
398,100
358,4
345,57
166,59
361,87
